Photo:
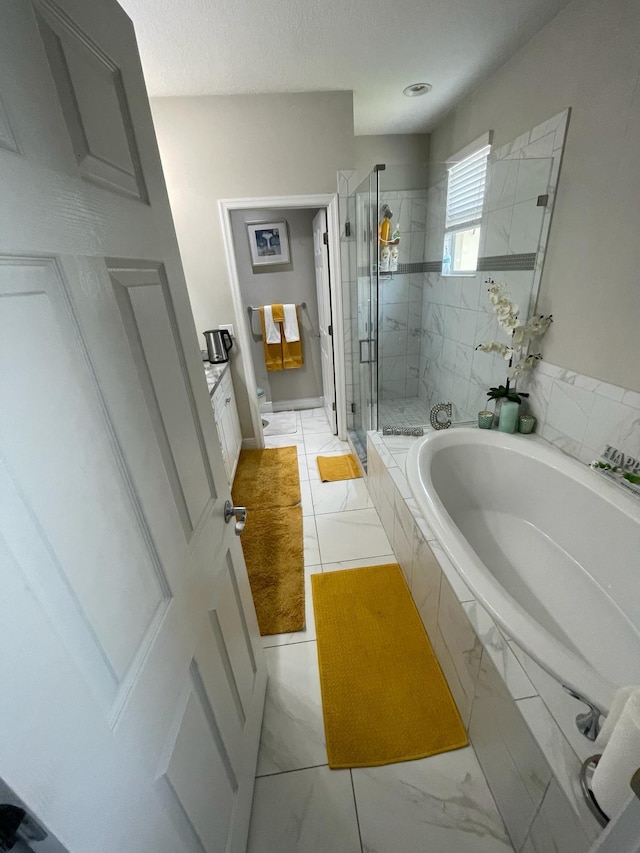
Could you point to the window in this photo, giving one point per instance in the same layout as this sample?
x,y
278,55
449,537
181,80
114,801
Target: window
x,y
465,198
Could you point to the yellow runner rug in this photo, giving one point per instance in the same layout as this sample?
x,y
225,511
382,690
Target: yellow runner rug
x,y
267,482
333,468
267,478
384,697
273,551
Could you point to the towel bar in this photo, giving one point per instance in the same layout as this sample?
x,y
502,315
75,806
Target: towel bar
x,y
252,308
257,307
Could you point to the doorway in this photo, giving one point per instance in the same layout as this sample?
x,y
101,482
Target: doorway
x,y
300,280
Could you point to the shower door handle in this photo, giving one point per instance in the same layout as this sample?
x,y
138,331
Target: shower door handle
x,y
371,349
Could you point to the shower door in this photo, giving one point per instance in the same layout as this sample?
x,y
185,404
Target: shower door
x,y
364,323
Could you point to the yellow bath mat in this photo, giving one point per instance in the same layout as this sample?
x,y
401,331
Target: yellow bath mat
x,y
267,478
272,544
334,468
384,697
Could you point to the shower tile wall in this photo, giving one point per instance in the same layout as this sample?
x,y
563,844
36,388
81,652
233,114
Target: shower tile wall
x,y
456,314
400,300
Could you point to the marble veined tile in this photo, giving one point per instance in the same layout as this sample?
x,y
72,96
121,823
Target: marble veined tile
x,y
350,535
295,440
556,829
462,591
312,413
383,560
308,811
340,496
292,728
306,502
613,423
563,761
320,444
316,426
438,804
502,656
569,410
310,540
303,471
425,584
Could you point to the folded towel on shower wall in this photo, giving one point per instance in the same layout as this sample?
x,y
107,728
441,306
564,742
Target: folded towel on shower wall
x,y
291,328
272,320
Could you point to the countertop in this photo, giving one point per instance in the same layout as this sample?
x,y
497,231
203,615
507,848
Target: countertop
x,y
214,373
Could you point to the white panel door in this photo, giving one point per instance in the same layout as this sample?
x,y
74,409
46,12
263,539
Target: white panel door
x,y
323,286
132,671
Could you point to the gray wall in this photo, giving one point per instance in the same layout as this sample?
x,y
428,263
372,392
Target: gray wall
x,y
295,282
409,149
586,58
240,146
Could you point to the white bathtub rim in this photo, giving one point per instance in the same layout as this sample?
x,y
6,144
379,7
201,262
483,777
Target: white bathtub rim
x,y
545,649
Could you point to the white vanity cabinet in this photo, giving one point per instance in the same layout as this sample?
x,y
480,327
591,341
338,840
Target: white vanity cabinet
x,y
225,412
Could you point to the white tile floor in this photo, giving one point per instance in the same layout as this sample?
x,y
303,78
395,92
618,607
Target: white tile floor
x,y
408,411
440,804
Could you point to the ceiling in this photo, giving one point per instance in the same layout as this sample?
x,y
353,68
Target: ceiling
x,y
375,48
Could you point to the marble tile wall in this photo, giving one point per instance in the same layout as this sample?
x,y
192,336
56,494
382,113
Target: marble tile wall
x,y
531,767
581,415
456,314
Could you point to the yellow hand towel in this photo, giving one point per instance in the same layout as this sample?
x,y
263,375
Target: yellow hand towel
x,y
272,352
292,350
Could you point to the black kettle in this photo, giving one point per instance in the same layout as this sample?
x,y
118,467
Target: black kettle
x,y
218,345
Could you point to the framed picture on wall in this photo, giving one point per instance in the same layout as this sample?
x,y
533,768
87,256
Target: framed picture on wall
x,y
269,243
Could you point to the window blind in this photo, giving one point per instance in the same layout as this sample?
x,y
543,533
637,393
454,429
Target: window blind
x,y
465,189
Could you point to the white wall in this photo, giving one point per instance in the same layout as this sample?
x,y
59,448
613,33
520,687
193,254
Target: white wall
x,y
294,282
242,146
586,58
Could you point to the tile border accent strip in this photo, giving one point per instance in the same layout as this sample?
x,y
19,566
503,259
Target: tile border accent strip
x,y
499,263
403,269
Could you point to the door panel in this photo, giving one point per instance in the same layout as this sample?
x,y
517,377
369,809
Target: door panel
x,y
233,624
199,770
80,471
92,97
126,607
145,304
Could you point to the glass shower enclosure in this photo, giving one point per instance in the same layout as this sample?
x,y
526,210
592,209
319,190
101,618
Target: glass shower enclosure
x,y
364,322
387,317
415,327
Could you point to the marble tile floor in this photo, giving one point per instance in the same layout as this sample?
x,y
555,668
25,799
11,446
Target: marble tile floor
x,y
410,411
441,804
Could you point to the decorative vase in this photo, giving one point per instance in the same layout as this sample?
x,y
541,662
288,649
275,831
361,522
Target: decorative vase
x,y
496,412
508,416
526,423
485,420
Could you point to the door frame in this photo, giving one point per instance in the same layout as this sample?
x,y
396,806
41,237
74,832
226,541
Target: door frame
x,y
328,201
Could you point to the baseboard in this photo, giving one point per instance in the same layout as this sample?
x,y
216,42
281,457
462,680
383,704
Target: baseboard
x,y
249,444
297,405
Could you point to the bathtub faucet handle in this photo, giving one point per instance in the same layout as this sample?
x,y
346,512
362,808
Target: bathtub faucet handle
x,y
588,724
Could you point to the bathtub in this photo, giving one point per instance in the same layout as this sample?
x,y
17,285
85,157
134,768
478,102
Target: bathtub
x,y
549,547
